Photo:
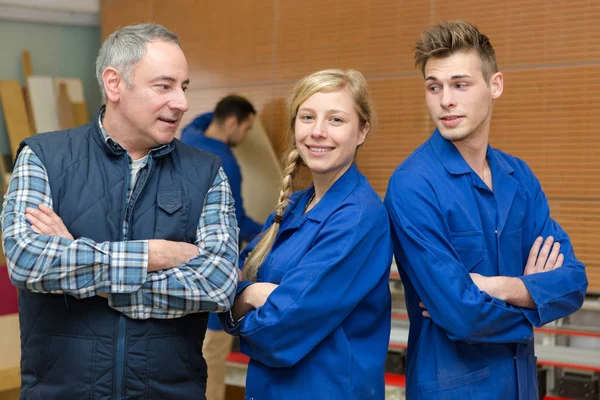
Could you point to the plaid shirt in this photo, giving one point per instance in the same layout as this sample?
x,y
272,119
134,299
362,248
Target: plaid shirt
x,y
83,268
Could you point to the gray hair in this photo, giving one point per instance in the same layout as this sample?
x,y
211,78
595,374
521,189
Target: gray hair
x,y
127,46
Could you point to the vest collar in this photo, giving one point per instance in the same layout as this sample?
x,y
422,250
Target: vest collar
x,y
114,149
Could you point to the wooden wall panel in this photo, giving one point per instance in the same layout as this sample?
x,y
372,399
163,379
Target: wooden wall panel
x,y
229,43
548,51
547,118
116,14
347,34
581,220
404,124
535,32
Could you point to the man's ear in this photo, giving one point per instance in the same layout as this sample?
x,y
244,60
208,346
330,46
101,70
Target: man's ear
x,y
497,85
112,79
231,123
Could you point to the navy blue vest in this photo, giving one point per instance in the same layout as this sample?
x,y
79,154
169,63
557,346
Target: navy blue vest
x,y
83,349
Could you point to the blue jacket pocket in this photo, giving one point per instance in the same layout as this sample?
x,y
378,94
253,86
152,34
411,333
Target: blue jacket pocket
x,y
469,247
460,387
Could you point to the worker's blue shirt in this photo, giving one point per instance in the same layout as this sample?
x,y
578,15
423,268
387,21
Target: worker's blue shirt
x,y
323,333
447,223
193,135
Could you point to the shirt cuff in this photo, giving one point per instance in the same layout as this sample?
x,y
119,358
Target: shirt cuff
x,y
231,325
128,263
231,322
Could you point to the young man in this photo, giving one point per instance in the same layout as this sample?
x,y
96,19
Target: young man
x,y
217,132
119,237
468,224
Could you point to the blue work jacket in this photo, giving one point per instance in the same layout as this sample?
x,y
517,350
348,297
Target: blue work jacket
x,y
323,333
447,223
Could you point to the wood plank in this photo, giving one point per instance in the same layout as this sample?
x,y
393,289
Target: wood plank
x,y
14,395
10,348
74,88
27,71
260,169
15,113
77,105
80,113
26,64
2,256
65,108
76,97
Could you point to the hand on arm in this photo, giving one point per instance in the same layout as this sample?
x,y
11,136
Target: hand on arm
x,y
251,298
46,222
544,260
512,290
166,254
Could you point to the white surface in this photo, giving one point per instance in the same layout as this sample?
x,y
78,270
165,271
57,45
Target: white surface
x,y
568,355
43,103
236,374
399,336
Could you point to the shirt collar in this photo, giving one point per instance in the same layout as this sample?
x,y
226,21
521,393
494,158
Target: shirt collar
x,y
156,152
107,139
213,143
332,198
449,155
454,162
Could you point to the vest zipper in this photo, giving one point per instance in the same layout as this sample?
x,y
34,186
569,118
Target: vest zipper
x,y
140,183
120,370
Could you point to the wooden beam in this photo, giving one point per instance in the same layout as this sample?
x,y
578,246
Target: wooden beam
x,y
15,113
26,64
65,108
27,72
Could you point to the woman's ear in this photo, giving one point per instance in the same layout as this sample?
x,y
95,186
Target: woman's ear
x,y
363,133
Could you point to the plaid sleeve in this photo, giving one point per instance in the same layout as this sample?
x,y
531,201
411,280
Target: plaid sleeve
x,y
208,282
51,264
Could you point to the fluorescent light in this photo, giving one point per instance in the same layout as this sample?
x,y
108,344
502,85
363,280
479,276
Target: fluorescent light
x,y
82,6
17,13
